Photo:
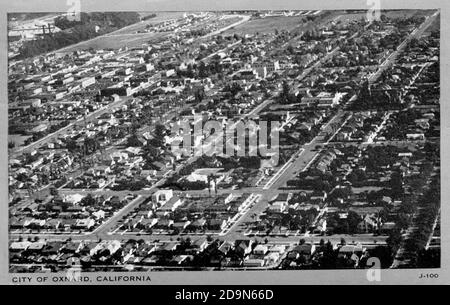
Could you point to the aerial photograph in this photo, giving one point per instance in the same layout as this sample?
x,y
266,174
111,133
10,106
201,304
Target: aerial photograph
x,y
223,140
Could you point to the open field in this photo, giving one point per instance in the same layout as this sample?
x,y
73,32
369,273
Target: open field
x,y
160,17
126,36
269,24
26,17
435,25
347,17
17,139
115,41
407,13
140,208
266,25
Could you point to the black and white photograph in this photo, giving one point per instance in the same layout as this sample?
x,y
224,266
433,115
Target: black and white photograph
x,y
222,140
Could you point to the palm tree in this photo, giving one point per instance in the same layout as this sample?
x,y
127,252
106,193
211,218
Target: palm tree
x,y
214,177
209,184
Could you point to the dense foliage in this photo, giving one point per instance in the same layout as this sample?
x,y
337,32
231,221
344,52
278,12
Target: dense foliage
x,y
89,26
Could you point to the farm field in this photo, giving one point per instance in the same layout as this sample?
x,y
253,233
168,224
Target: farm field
x,y
266,25
160,17
347,17
126,36
114,41
269,24
406,13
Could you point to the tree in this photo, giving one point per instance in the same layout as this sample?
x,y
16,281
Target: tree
x,y
353,219
394,240
133,140
285,93
209,184
396,184
147,57
54,191
199,95
215,184
151,153
328,259
79,31
202,70
290,49
160,132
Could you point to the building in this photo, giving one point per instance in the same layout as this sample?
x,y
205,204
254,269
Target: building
x,y
280,203
87,81
260,250
162,196
324,99
171,205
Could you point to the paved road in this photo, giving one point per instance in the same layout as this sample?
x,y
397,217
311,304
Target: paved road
x,y
108,108
118,32
245,18
307,154
299,162
56,134
414,34
110,224
413,227
364,239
